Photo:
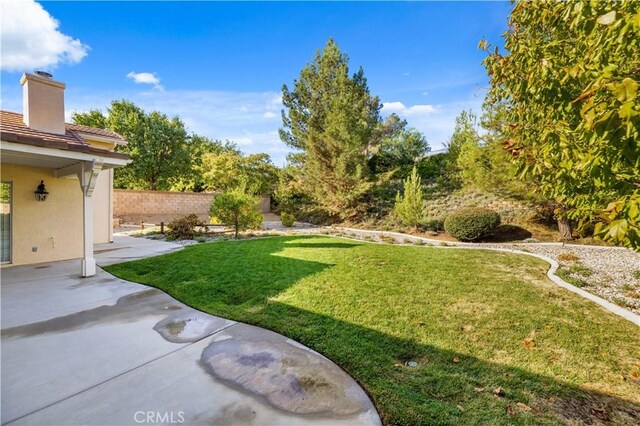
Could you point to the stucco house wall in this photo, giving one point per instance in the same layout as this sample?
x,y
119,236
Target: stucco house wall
x,y
102,208
53,228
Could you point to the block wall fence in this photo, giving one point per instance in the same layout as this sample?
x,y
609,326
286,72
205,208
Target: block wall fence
x,y
131,206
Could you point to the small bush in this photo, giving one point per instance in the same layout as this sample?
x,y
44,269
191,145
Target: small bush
x,y
238,208
287,219
471,224
183,228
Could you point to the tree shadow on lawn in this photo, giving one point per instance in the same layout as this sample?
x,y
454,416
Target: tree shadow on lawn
x,y
192,270
240,281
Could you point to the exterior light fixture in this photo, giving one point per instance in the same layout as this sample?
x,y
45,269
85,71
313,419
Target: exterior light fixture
x,y
41,192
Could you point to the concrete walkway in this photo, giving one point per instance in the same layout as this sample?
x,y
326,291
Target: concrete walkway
x,y
106,351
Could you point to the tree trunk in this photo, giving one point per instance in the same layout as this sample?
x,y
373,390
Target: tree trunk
x,y
564,229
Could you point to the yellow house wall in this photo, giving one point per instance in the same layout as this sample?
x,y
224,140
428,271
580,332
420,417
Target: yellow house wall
x,y
102,198
53,226
102,210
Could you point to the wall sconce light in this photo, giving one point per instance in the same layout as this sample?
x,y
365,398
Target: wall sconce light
x,y
41,192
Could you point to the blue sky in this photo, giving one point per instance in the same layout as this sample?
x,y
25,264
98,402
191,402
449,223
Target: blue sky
x,y
221,66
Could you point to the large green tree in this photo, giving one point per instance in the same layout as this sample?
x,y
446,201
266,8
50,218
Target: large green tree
x,y
465,134
330,118
229,168
399,145
201,149
480,158
569,80
158,145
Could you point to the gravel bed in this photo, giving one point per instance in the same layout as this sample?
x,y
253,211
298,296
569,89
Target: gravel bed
x,y
612,273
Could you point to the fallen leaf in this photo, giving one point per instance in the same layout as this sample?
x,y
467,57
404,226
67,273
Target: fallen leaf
x,y
523,407
498,391
510,410
548,326
529,341
607,18
456,360
478,389
460,407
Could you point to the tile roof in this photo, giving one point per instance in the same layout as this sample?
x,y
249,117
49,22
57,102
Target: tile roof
x,y
13,129
94,131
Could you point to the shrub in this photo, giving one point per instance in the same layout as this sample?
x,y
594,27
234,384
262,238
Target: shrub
x,y
183,228
238,208
471,224
409,205
287,219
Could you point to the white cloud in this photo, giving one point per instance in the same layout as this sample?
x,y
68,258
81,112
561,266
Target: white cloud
x,y
242,116
146,78
269,114
401,109
30,38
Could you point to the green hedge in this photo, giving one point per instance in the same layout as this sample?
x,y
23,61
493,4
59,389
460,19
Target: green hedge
x,y
471,224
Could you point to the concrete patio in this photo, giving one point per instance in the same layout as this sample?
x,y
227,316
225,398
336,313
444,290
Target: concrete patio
x,y
101,350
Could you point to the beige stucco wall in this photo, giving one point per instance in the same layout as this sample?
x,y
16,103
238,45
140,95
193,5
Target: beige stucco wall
x,y
102,208
102,198
53,226
43,103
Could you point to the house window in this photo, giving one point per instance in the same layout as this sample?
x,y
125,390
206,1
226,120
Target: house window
x,y
5,222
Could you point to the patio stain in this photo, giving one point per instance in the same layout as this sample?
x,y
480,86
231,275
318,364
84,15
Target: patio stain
x,y
288,377
188,326
232,414
129,308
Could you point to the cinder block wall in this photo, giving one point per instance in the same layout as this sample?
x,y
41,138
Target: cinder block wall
x,y
164,206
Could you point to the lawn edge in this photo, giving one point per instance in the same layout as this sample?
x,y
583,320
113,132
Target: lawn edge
x,y
551,272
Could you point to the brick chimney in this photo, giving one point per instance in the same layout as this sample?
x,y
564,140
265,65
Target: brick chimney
x,y
43,102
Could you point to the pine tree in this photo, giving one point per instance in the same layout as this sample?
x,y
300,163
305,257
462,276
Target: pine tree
x,y
409,206
330,119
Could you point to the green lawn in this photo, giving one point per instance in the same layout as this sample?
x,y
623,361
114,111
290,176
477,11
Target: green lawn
x,y
474,320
